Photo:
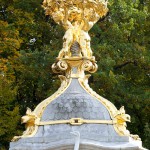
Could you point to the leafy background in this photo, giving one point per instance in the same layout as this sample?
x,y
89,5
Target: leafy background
x,y
30,41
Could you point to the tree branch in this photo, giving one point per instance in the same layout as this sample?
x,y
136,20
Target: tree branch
x,y
124,64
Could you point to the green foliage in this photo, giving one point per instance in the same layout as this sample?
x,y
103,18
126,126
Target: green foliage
x,y
30,42
33,75
122,50
9,40
147,135
9,111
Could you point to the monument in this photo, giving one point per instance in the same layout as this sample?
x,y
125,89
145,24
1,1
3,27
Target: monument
x,y
76,117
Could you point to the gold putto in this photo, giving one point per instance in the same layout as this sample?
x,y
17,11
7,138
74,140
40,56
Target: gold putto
x,y
77,17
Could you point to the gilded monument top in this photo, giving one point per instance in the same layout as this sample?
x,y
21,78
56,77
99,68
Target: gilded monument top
x,y
77,17
72,12
75,103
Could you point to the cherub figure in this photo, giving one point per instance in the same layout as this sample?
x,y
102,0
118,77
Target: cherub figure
x,y
74,25
77,17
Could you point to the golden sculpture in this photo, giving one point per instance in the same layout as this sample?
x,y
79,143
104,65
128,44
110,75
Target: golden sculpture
x,y
77,17
121,118
30,119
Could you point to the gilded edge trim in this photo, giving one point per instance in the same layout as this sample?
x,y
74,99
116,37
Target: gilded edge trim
x,y
41,107
75,121
110,107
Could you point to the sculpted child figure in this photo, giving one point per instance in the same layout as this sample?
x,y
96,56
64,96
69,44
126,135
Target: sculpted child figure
x,y
77,17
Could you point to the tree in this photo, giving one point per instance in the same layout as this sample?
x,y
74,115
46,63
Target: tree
x,y
10,44
33,75
30,42
120,43
9,112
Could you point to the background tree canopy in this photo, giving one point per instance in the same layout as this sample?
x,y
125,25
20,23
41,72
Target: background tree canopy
x,y
30,42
